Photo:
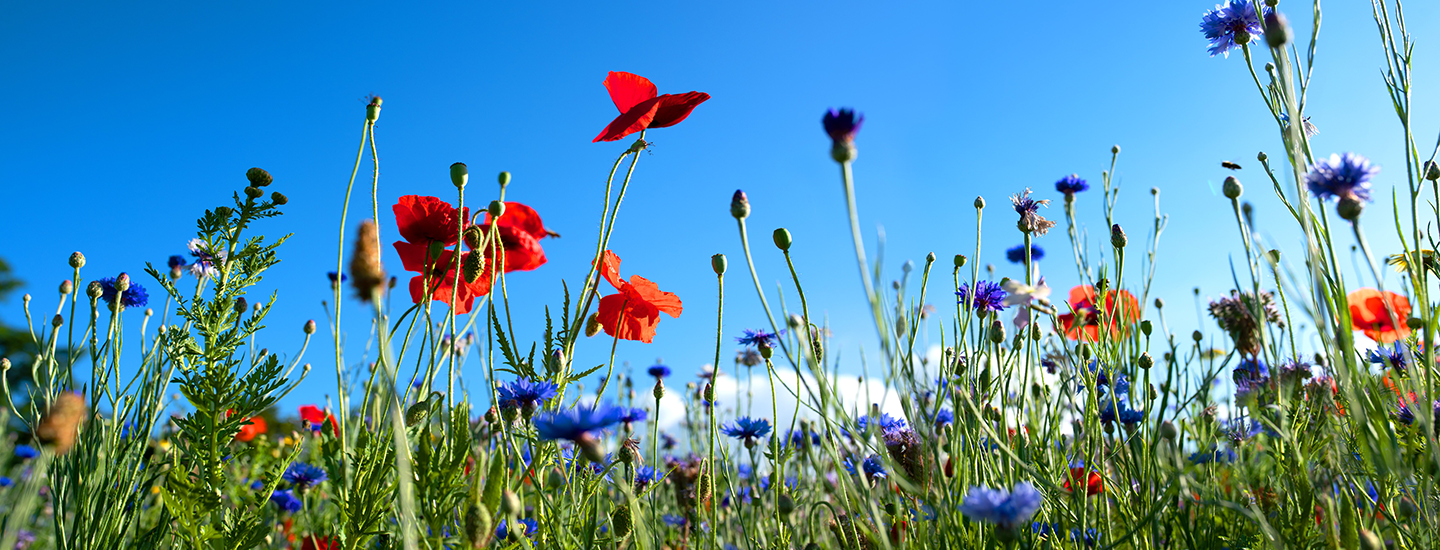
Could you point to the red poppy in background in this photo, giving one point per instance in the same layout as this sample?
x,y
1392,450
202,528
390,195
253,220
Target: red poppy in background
x,y
1120,310
641,107
1368,314
442,283
520,231
317,417
1094,484
428,224
252,427
633,313
316,542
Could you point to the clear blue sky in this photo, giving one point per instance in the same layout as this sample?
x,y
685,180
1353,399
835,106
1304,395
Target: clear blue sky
x,y
123,122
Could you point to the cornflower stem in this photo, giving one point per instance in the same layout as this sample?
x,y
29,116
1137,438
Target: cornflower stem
x,y
760,291
848,181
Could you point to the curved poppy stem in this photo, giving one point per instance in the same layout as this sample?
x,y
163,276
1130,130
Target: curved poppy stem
x,y
714,430
340,400
587,294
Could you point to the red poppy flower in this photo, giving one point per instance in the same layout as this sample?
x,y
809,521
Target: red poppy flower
x,y
1094,484
1120,310
317,417
520,231
316,542
428,224
633,313
641,107
1368,314
252,427
442,283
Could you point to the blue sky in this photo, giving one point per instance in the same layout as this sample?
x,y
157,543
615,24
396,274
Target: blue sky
x,y
124,122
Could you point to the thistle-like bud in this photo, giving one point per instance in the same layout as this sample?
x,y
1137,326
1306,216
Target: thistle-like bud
x,y
979,203
659,391
592,325
309,327
1277,29
58,319
77,260
459,175
623,520
223,211
997,332
1349,208
1146,361
630,451
94,290
253,192
717,262
241,305
503,179
122,282
1232,188
258,177
782,239
66,287
278,199
1117,236
739,205
367,274
59,426
372,111
1432,171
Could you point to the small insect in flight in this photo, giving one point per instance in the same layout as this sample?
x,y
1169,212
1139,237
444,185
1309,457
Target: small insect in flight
x,y
1229,165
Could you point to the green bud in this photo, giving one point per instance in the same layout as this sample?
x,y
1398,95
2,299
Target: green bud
x,y
1349,208
979,203
717,262
278,199
959,261
1232,188
1146,327
1115,149
497,208
740,205
253,192
258,177
372,111
1146,360
459,175
997,332
504,179
1117,236
782,239
1168,430
77,260
1262,157
1197,336
1432,171
309,327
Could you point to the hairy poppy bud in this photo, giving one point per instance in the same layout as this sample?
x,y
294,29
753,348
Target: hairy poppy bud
x,y
367,275
473,266
960,261
1232,188
309,327
253,192
372,111
66,287
739,205
258,177
794,320
504,179
1117,236
4,364
1349,208
278,199
782,239
1277,29
510,503
717,262
497,208
77,260
1432,171
709,394
592,325
979,202
59,424
459,175
417,413
1146,327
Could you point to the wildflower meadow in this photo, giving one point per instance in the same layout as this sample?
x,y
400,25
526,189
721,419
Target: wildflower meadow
x,y
147,409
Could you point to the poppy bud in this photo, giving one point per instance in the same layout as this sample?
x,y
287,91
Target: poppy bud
x,y
786,504
477,524
258,177
1117,236
590,447
510,503
1232,188
1146,360
1262,157
959,261
474,264
901,326
739,205
1197,336
309,327
979,202
278,199
709,394
555,479
1277,29
372,111
504,179
782,239
497,208
1159,303
1370,541
717,262
795,320
459,175
58,426
1432,171
77,260
1115,149
66,287
417,413
253,192
592,325
1349,208
1146,327
1168,430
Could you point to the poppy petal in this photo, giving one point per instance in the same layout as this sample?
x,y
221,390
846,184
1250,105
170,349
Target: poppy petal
x,y
628,90
675,107
521,217
636,119
610,269
667,302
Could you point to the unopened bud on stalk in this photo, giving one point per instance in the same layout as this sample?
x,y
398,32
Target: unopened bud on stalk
x,y
1349,208
782,239
278,199
590,447
979,203
739,205
253,192
510,503
717,262
766,350
309,327
659,391
1432,171
503,179
417,413
258,177
1117,236
997,332
4,364
1159,303
473,267
1197,336
66,287
1168,431
372,111
459,175
94,290
1277,29
592,325
122,283
1115,149
1146,361
60,320
959,261
241,305
77,260
1232,188
794,320
497,208
1146,327
709,393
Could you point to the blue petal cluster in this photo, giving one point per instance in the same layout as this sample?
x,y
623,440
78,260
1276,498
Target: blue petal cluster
x,y
1342,176
747,428
526,393
658,371
1004,508
135,296
501,530
1071,185
988,296
842,124
286,500
755,337
1016,254
1230,25
575,423
303,475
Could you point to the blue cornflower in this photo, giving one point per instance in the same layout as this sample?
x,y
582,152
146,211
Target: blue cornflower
x,y
1126,415
887,423
303,475
943,417
1213,454
1342,176
1008,509
26,452
135,296
842,124
633,415
336,277
286,500
644,476
668,441
1404,415
576,422
175,262
1071,184
525,393
1089,536
744,470
1395,358
257,485
988,296
747,428
756,337
658,371
797,437
501,532
1016,254
6,481
1230,25
873,466
674,520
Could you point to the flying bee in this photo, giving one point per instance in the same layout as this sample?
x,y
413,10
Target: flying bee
x,y
1229,165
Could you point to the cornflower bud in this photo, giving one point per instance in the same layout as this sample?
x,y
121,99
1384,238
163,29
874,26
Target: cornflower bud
x,y
94,290
1232,188
1277,29
1432,171
77,260
1146,361
459,175
959,261
979,203
997,332
1349,208
739,205
278,199
1117,236
309,327
253,192
122,283
1115,149
60,320
66,287
241,305
258,177
659,391
1197,336
1262,157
